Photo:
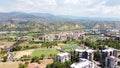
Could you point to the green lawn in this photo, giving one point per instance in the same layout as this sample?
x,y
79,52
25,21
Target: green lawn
x,y
46,52
70,47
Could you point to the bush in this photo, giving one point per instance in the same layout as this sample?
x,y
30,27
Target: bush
x,y
16,48
35,59
56,65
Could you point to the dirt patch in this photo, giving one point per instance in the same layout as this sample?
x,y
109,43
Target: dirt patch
x,y
9,64
6,44
19,54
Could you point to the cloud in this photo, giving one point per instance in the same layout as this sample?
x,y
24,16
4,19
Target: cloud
x,y
86,8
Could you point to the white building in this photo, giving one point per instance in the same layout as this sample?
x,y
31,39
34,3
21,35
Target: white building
x,y
85,53
111,62
83,63
109,52
62,57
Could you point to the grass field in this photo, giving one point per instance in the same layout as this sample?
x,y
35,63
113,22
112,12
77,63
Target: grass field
x,y
46,52
70,47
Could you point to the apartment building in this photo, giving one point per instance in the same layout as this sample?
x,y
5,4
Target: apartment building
x,y
111,62
85,53
63,56
83,63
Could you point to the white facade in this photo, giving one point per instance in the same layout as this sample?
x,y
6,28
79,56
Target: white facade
x,y
111,62
62,57
83,63
109,52
85,53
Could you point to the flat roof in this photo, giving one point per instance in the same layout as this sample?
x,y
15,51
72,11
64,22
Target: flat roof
x,y
82,50
63,54
82,63
109,49
113,58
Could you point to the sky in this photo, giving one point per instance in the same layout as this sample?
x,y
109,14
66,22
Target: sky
x,y
82,8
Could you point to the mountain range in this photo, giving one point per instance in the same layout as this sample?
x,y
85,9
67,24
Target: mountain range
x,y
36,21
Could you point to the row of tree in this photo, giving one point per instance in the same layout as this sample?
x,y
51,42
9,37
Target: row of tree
x,y
59,65
100,44
49,44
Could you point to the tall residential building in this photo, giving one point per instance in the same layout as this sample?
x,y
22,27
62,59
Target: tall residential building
x,y
62,57
111,62
85,53
83,63
109,52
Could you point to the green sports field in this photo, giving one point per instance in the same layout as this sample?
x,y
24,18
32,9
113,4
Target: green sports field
x,y
46,52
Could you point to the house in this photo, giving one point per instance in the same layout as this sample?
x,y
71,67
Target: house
x,y
69,36
57,36
83,63
49,37
63,37
63,56
41,37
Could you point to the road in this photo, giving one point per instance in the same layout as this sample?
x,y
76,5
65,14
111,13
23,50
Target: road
x,y
10,56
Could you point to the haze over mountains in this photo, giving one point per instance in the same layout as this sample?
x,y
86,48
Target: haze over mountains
x,y
36,21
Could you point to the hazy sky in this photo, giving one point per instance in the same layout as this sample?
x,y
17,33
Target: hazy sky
x,y
86,8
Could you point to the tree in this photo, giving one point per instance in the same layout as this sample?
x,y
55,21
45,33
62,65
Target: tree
x,y
1,50
26,57
4,58
35,59
49,44
74,57
67,64
26,64
56,65
16,48
48,66
22,65
97,56
42,56
51,55
45,44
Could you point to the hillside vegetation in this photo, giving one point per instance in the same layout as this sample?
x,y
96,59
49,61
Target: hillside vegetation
x,y
18,21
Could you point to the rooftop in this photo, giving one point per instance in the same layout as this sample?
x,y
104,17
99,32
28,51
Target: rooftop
x,y
113,58
63,54
108,49
82,50
82,63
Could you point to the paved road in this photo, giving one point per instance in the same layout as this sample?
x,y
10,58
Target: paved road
x,y
10,56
